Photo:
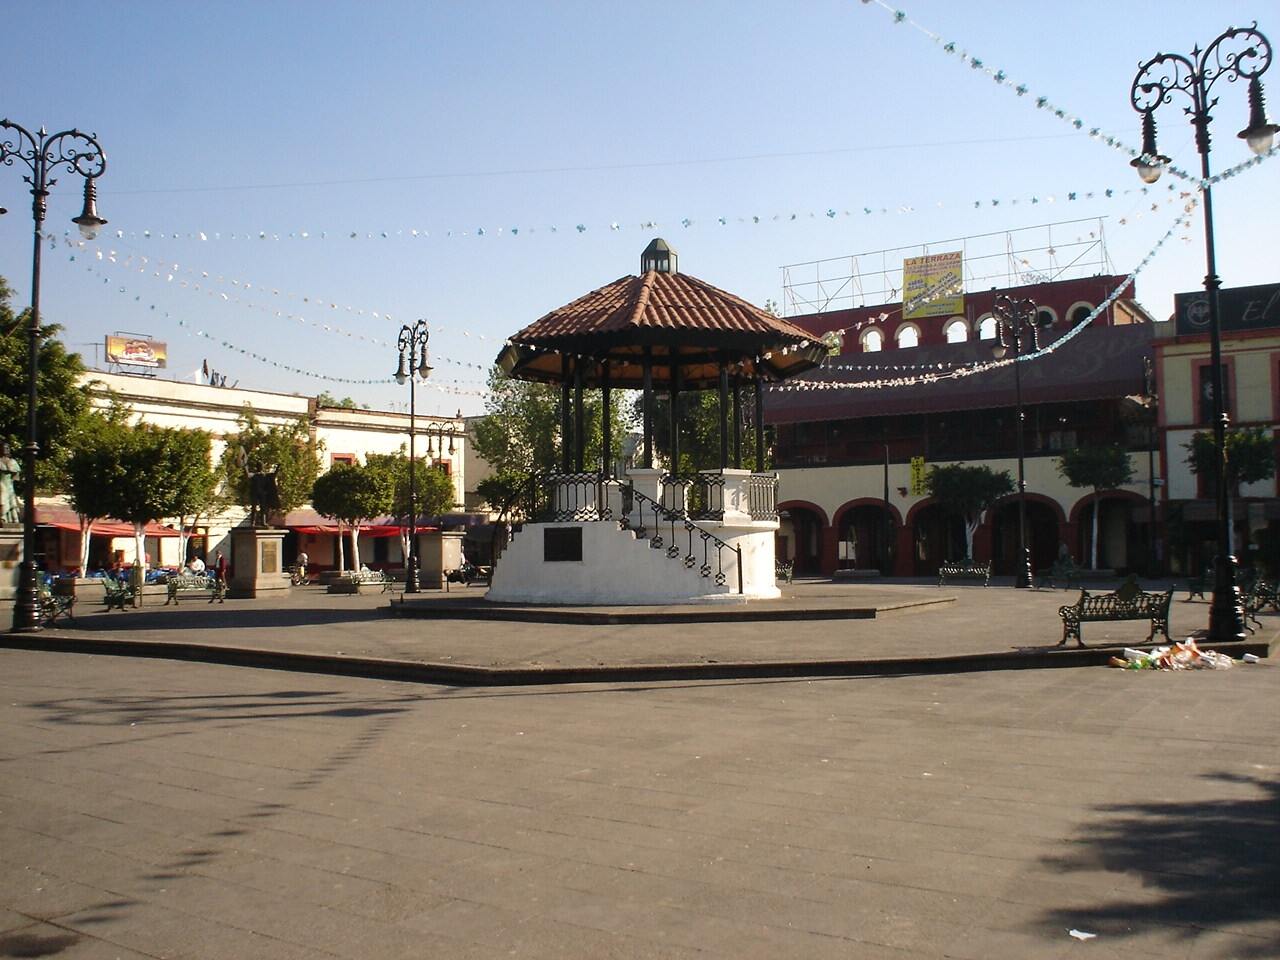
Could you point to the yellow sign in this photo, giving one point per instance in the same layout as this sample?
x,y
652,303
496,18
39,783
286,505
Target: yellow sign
x,y
933,286
136,351
919,485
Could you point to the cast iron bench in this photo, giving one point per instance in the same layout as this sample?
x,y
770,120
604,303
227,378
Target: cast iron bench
x,y
784,570
354,582
1260,595
116,593
1127,603
53,606
193,582
964,570
1196,585
1063,570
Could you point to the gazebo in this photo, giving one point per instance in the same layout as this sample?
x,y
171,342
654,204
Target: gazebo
x,y
710,534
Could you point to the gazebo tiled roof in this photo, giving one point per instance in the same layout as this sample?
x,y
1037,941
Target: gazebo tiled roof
x,y
671,315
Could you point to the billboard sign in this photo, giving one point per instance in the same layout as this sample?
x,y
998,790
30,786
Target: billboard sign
x,y
136,351
933,285
1239,308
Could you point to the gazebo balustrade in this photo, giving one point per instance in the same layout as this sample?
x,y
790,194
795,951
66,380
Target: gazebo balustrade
x,y
709,495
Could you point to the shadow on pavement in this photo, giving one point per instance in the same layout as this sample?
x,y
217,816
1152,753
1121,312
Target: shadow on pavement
x,y
1216,864
219,616
124,711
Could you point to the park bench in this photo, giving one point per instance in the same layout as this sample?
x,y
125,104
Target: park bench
x,y
784,570
1127,603
180,583
1259,595
1064,570
361,581
1196,585
964,570
53,606
116,593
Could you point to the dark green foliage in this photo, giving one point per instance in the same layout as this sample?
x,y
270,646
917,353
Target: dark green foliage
x,y
1096,468
1251,455
62,399
290,449
434,487
352,493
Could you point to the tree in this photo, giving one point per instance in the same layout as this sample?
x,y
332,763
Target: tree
x,y
289,449
327,399
434,490
968,492
200,493
89,474
1250,458
504,491
1098,468
351,494
699,425
521,431
63,399
149,474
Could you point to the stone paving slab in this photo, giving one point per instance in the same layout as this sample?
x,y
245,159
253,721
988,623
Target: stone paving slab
x,y
158,809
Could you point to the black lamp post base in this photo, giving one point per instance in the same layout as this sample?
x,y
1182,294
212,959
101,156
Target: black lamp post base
x,y
26,603
1024,577
411,582
1226,610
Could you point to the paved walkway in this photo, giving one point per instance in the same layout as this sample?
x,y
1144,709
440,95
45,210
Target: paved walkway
x,y
918,627
158,809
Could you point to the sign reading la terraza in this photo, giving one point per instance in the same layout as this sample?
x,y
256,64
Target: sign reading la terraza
x,y
1240,308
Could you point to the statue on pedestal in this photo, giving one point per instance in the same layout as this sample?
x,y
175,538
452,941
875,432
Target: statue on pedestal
x,y
10,472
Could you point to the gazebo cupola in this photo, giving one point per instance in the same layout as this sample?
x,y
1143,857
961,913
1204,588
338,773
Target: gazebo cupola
x,y
659,257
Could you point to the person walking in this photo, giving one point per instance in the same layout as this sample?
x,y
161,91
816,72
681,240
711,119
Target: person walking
x,y
220,576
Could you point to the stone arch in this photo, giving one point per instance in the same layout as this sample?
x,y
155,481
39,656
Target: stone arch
x,y
1123,542
1070,314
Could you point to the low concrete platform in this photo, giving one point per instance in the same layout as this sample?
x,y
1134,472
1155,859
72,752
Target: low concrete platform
x,y
916,629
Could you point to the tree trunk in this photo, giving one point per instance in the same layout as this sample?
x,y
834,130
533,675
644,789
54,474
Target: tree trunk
x,y
970,528
342,556
1097,509
139,562
86,528
183,539
355,546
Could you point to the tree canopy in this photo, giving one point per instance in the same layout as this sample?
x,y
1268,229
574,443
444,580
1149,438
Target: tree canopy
x,y
1097,468
521,430
434,488
968,491
1250,455
352,493
62,399
289,449
699,426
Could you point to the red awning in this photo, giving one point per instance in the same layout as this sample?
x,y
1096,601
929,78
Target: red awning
x,y
366,530
65,519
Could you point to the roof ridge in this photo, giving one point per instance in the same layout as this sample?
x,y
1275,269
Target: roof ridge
x,y
642,298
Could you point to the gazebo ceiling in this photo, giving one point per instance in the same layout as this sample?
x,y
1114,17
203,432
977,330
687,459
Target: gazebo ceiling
x,y
683,323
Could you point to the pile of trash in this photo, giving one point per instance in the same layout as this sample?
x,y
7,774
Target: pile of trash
x,y
1184,655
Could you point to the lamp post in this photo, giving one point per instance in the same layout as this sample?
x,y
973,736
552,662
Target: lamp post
x,y
43,153
413,341
1014,318
1236,54
1152,403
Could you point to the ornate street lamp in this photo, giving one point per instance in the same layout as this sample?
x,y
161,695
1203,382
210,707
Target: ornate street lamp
x,y
1014,319
44,153
1237,54
413,342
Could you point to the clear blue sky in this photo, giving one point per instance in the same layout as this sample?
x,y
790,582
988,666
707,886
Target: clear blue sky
x,y
341,117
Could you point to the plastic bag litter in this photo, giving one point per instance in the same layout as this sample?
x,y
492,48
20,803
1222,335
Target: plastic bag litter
x,y
1184,655
1081,934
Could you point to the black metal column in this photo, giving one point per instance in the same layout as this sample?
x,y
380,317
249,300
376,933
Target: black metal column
x,y
675,413
737,422
648,408
724,415
606,424
566,427
579,419
759,424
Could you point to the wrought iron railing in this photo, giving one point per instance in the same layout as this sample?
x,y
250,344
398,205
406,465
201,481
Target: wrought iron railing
x,y
699,497
762,496
680,536
568,497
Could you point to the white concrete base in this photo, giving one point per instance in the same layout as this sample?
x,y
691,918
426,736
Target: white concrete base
x,y
256,562
10,560
616,569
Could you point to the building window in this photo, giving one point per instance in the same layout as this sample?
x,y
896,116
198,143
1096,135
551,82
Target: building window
x,y
1204,392
1045,317
986,327
445,466
872,341
1078,312
956,330
908,336
337,458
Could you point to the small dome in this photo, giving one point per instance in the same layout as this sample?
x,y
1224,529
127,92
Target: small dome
x,y
659,256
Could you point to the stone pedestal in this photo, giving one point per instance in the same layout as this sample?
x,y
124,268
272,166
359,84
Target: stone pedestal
x,y
439,551
10,560
256,568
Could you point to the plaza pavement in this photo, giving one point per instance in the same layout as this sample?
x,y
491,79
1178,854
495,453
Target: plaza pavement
x,y
150,808
917,627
